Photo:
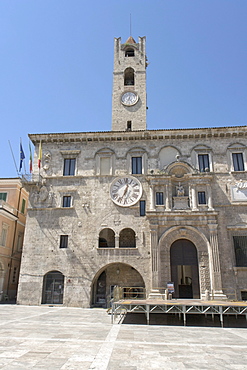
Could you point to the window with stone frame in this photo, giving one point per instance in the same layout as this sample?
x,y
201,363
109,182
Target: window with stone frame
x,y
69,167
136,163
4,234
67,201
159,198
238,161
106,238
236,154
201,197
3,196
64,241
240,248
203,162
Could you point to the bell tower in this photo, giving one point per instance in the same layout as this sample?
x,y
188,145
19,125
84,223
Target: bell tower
x,y
129,85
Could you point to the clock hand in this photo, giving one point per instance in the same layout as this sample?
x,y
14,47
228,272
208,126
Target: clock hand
x,y
125,190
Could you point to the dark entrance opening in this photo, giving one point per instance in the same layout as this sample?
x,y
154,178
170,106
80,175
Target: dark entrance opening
x,y
184,269
53,286
100,300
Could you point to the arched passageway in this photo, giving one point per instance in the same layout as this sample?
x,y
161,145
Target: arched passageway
x,y
53,286
184,269
116,274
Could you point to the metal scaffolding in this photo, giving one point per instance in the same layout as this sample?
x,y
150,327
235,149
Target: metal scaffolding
x,y
180,307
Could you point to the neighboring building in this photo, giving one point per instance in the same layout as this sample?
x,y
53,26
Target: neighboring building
x,y
136,208
13,206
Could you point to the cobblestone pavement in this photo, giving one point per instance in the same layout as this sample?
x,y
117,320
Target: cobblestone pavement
x,y
75,338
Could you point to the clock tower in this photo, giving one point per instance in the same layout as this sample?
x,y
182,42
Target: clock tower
x,y
129,85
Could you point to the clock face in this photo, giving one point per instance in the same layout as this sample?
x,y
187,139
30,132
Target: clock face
x,y
126,191
129,98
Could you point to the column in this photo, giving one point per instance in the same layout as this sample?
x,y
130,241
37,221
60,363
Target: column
x,y
152,196
116,240
167,201
193,198
210,202
155,256
215,264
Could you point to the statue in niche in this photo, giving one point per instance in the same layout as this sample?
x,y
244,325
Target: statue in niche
x,y
180,190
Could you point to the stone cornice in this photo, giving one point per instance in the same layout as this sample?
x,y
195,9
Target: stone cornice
x,y
170,134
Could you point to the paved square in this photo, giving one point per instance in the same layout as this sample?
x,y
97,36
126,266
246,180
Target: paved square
x,y
75,338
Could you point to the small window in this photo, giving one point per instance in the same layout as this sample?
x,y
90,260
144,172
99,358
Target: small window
x,y
67,201
159,198
129,123
136,165
64,241
203,160
142,208
130,53
23,206
69,167
201,197
3,196
240,246
238,161
129,77
244,295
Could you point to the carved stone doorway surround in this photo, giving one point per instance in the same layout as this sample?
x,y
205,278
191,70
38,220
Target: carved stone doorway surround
x,y
209,273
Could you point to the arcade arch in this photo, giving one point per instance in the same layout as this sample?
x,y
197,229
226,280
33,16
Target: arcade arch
x,y
116,274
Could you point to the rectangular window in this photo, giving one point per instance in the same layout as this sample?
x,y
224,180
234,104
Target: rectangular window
x,y
3,196
23,206
203,160
136,165
142,207
244,295
159,198
64,241
67,201
238,161
69,167
240,246
201,197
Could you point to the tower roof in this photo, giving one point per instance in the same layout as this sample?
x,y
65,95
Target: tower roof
x,y
130,40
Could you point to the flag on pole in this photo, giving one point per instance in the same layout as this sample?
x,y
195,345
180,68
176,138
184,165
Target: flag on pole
x,y
30,159
40,155
22,156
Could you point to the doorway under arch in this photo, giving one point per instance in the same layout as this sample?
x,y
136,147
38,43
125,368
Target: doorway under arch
x,y
53,286
116,274
184,269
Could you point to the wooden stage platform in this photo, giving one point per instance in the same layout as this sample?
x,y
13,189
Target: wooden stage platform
x,y
181,307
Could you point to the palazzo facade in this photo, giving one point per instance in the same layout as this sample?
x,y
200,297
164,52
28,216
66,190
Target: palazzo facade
x,y
136,208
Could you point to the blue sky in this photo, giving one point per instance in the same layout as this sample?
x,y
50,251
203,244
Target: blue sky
x,y
56,65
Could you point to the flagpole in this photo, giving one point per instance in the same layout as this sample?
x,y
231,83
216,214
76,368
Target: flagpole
x,y
13,158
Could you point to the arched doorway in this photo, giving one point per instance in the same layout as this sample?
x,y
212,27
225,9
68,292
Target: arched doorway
x,y
53,286
184,269
116,274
